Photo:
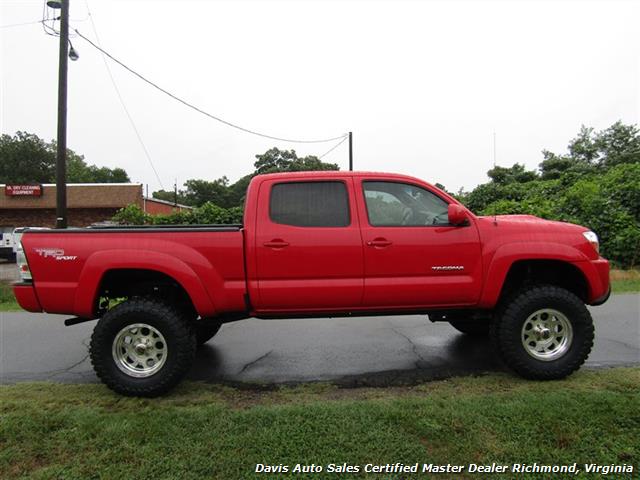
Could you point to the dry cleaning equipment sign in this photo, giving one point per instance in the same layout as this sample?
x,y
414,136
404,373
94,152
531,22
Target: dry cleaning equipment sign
x,y
23,190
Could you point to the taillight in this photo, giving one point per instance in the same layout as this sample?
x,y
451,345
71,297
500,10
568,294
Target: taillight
x,y
23,266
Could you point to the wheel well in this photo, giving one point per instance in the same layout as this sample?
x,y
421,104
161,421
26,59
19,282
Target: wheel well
x,y
552,272
129,283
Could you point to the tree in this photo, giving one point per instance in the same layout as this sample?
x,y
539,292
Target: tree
x,y
595,184
554,166
275,160
170,196
618,144
221,193
589,150
26,158
583,148
79,172
515,173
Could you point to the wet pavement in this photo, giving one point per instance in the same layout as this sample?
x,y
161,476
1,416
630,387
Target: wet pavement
x,y
349,351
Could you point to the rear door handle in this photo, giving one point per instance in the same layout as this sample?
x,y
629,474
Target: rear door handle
x,y
276,243
379,242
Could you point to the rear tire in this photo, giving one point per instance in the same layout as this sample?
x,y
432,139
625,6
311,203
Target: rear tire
x,y
206,331
473,328
543,333
142,347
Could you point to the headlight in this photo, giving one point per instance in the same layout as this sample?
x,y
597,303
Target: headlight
x,y
23,266
592,238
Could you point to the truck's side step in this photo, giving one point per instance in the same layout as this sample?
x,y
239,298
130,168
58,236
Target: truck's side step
x,y
76,320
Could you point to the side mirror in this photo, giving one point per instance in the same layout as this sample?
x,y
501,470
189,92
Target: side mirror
x,y
457,215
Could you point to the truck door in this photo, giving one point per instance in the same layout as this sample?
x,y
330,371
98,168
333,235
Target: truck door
x,y
308,246
412,256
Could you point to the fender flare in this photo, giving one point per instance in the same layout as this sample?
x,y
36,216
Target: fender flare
x,y
99,263
506,255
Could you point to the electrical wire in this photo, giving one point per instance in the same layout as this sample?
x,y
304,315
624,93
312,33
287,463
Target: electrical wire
x,y
199,110
20,24
124,107
334,147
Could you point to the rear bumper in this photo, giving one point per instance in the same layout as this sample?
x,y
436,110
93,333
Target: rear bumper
x,y
26,295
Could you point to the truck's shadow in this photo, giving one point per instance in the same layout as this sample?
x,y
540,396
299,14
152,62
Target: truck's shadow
x,y
459,355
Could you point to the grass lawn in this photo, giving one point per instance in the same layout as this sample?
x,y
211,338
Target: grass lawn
x,y
7,300
625,281
212,431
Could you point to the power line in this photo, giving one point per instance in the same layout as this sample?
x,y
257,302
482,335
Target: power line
x,y
124,107
199,110
20,24
334,147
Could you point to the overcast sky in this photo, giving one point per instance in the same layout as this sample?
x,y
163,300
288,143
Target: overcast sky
x,y
422,85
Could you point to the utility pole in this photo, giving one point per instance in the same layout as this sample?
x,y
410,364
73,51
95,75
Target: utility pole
x,y
494,149
350,151
61,157
175,195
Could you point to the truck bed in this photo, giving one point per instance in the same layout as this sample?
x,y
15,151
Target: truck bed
x,y
206,260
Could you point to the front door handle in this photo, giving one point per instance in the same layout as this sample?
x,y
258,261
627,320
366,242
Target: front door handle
x,y
276,243
379,242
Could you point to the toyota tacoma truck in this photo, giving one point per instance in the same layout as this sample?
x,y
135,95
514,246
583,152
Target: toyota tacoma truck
x,y
320,244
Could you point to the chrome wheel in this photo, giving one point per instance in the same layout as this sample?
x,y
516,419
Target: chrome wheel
x,y
139,350
547,334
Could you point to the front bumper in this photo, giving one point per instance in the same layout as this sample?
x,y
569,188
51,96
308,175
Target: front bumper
x,y
602,299
26,295
597,275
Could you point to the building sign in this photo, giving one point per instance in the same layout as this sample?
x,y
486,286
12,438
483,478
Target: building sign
x,y
23,190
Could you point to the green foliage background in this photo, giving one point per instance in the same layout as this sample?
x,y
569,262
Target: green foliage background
x,y
595,184
27,159
220,192
207,214
218,201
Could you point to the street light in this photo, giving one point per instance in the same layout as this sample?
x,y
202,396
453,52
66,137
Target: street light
x,y
73,53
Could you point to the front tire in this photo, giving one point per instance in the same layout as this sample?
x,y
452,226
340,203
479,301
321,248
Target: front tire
x,y
142,347
543,333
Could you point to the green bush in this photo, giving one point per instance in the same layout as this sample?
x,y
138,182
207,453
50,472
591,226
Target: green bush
x,y
207,214
131,215
597,185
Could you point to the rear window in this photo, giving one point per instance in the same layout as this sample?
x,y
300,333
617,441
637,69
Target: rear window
x,y
310,204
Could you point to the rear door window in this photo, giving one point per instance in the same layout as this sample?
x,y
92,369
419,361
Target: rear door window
x,y
310,204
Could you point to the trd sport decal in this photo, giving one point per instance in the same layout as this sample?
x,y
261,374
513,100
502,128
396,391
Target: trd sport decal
x,y
56,253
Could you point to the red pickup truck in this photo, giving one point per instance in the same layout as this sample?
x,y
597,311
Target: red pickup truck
x,y
320,244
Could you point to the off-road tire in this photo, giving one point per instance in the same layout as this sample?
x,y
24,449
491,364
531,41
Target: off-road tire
x,y
506,332
174,326
473,328
206,331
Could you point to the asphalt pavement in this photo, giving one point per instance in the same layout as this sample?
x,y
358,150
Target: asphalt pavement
x,y
349,351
